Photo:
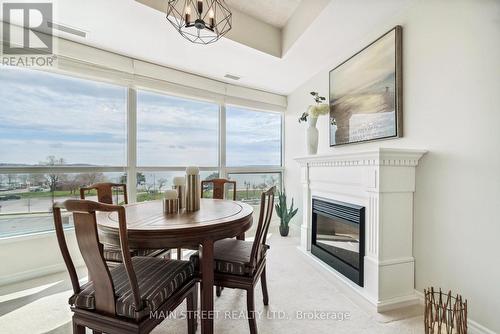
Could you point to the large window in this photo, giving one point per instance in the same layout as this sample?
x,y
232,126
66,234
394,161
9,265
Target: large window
x,y
59,133
176,132
25,199
74,121
253,138
251,185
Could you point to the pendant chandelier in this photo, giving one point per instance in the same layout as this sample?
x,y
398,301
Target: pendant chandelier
x,y
200,21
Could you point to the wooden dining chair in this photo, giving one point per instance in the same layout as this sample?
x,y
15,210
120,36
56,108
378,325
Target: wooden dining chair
x,y
239,264
218,192
121,299
218,187
105,191
113,255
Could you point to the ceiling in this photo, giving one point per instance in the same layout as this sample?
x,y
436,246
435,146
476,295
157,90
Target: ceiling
x,y
133,29
273,12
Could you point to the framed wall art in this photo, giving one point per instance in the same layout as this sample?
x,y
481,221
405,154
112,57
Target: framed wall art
x,y
366,93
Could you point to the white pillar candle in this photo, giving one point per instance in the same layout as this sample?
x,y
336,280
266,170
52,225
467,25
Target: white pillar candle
x,y
179,181
192,170
170,194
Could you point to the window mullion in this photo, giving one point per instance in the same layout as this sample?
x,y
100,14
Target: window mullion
x,y
132,144
222,141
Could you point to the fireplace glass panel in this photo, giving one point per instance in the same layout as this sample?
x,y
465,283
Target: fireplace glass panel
x,y
340,238
338,232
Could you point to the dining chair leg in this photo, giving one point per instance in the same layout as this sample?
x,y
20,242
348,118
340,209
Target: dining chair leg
x,y
207,286
252,322
179,253
263,283
78,329
192,308
218,290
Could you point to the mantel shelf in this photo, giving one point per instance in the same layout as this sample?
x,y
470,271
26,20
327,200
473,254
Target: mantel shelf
x,y
374,157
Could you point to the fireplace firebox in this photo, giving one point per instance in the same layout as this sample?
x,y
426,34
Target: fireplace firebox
x,y
338,234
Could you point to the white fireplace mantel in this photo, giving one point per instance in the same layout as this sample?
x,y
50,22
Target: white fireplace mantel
x,y
383,181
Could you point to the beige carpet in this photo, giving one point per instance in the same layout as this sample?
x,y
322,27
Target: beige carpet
x,y
298,287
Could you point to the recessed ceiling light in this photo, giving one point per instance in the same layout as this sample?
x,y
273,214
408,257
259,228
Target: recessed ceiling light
x,y
232,77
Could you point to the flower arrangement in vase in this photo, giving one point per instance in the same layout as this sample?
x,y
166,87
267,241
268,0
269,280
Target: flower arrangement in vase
x,y
311,116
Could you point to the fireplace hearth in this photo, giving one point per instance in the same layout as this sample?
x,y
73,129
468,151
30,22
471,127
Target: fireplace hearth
x,y
338,231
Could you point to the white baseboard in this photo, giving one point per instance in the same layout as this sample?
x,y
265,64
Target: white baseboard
x,y
380,306
394,303
472,326
397,302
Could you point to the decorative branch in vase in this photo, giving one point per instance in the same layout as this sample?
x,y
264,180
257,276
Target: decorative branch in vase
x,y
311,115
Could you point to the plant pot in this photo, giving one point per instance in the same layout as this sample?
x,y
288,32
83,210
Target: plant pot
x,y
284,230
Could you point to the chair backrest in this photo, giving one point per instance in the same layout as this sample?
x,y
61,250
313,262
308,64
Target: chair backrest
x,y
105,191
85,222
266,213
218,187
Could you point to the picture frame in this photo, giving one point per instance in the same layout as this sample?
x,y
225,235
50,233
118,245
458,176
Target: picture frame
x,y
366,93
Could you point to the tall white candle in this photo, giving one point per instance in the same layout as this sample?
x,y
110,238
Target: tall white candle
x,y
179,181
170,194
192,170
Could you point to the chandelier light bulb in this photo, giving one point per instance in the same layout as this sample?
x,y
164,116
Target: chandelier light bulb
x,y
188,15
211,16
200,6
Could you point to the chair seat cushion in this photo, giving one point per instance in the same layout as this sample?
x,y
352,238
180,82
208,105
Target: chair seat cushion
x,y
114,254
231,256
158,279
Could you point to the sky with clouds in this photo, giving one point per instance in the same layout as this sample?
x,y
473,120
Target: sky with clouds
x,y
84,122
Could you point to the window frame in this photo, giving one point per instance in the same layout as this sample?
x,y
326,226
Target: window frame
x,y
131,168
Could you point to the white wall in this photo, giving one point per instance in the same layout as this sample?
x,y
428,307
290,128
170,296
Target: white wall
x,y
451,107
25,257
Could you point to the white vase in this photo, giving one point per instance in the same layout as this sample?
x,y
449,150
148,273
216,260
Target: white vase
x,y
312,136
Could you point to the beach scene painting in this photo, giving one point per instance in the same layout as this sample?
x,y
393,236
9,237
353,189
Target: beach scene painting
x,y
366,93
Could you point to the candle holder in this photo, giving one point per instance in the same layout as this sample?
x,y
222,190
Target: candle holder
x,y
171,202
193,189
180,187
171,205
444,313
193,193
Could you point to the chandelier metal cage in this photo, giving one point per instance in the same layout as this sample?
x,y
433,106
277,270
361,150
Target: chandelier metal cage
x,y
200,21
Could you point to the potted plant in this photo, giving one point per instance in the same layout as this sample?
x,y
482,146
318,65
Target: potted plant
x,y
284,213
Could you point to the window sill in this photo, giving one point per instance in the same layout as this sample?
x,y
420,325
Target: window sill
x,y
32,236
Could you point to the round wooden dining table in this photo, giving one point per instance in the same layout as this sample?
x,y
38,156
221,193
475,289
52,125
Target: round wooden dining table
x,y
149,227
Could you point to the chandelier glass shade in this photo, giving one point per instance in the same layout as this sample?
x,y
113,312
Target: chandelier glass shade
x,y
200,21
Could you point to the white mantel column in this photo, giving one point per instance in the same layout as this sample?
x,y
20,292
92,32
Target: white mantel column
x,y
305,228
